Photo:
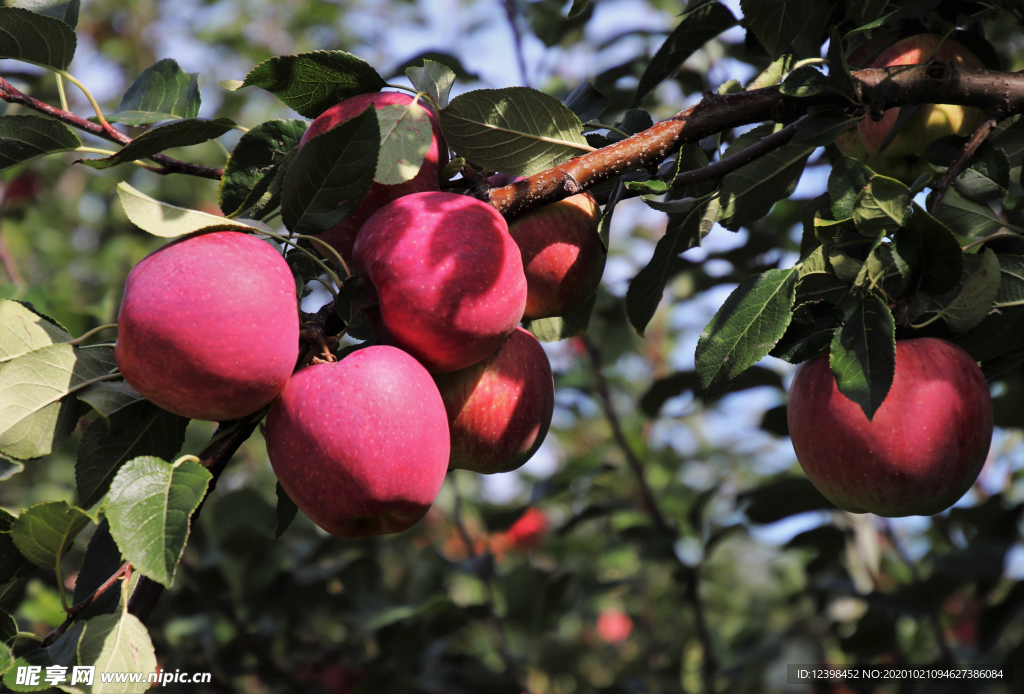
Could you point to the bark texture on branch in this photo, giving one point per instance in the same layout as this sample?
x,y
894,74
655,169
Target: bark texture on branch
x,y
879,89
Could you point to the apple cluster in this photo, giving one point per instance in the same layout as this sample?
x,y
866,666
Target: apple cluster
x,y
209,329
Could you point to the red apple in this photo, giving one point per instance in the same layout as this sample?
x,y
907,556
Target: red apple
x,y
529,531
922,450
209,326
614,626
343,234
499,409
360,445
563,257
901,158
448,277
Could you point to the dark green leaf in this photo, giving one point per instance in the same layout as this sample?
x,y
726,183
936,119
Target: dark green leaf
x,y
782,498
150,506
42,533
578,6
64,10
109,397
8,629
331,175
311,83
517,130
163,91
254,158
746,328
996,335
847,179
776,23
749,193
809,333
881,207
286,511
863,354
36,38
13,564
587,102
102,560
932,253
684,231
822,128
976,297
681,381
180,133
141,430
966,217
23,138
702,21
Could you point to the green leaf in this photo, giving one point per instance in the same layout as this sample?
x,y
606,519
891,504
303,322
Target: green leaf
x,y
9,468
1011,285
587,102
434,78
817,280
746,328
35,416
311,83
405,137
23,330
863,356
578,7
847,179
6,658
966,217
976,297
774,73
42,533
8,630
809,334
102,560
574,324
932,253
23,138
702,21
180,133
254,157
684,231
109,397
776,23
169,221
822,129
331,175
987,179
882,206
806,81
64,10
749,192
63,652
163,91
150,506
286,511
517,130
999,333
13,564
117,643
140,430
670,386
36,38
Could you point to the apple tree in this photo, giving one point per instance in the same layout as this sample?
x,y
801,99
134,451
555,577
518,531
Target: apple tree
x,y
212,322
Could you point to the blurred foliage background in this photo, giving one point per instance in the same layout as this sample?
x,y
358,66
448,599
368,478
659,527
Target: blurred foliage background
x,y
587,593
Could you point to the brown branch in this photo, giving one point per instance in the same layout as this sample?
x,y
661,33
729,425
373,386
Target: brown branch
x,y
960,163
168,165
76,610
879,88
933,610
493,621
709,666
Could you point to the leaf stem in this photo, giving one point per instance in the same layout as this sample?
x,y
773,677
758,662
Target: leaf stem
x,y
60,90
331,250
997,235
100,118
108,153
79,340
284,239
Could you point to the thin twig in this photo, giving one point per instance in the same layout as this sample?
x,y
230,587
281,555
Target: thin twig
x,y
960,163
933,610
709,667
169,165
495,623
76,610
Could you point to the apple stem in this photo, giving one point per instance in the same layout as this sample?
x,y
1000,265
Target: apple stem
x,y
79,340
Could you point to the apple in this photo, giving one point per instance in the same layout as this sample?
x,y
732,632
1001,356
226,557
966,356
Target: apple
x,y
901,158
499,409
447,275
614,626
563,257
343,234
360,445
209,326
923,449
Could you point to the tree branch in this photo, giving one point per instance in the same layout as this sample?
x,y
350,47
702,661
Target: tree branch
x,y
960,163
879,88
709,666
76,610
168,164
